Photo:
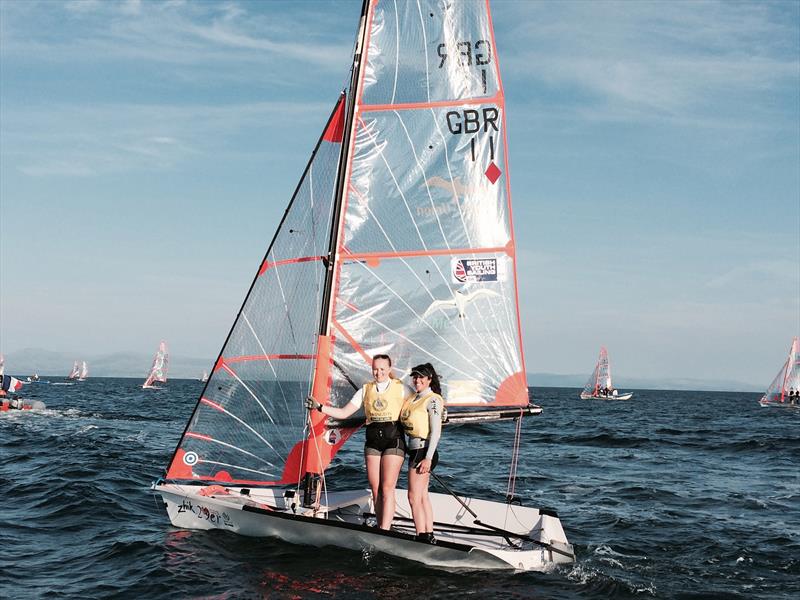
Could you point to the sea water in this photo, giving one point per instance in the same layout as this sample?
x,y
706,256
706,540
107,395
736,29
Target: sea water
x,y
669,495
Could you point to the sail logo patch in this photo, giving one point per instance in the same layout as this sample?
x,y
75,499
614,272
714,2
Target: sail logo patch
x,y
469,270
191,458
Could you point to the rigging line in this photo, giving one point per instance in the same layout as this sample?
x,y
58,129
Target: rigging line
x,y
436,333
207,438
486,346
512,474
425,47
418,347
222,464
233,416
255,397
272,368
396,50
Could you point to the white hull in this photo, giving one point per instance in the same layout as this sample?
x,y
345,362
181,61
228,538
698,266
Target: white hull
x,y
628,396
342,523
787,403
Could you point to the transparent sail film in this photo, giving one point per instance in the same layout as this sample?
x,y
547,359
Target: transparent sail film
x,y
249,426
601,376
158,370
426,260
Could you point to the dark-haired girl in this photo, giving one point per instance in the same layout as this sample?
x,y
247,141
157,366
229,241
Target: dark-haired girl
x,y
385,447
421,417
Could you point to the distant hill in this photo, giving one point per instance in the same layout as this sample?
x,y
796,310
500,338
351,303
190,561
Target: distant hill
x,y
634,383
119,364
131,364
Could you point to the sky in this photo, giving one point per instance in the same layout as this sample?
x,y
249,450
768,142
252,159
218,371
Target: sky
x,y
149,149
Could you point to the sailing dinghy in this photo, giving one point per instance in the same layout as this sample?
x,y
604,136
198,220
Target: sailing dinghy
x,y
599,384
785,388
158,370
398,239
75,373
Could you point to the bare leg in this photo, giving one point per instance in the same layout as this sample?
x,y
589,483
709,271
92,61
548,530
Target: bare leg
x,y
390,470
420,502
373,462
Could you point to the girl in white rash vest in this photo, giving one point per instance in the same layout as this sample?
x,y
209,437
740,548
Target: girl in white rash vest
x,y
384,449
421,417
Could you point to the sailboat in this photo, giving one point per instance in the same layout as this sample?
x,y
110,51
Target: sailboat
x,y
599,384
204,376
785,388
158,370
84,372
398,239
75,373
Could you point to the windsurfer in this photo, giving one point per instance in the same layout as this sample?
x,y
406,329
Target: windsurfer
x,y
421,417
385,446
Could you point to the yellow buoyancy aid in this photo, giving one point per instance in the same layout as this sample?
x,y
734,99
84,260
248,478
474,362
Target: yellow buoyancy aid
x,y
382,407
414,415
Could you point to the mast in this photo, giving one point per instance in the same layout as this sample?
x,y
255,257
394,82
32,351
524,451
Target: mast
x,y
341,176
322,368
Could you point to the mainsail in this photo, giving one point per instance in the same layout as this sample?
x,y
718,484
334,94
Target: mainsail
x,y
75,373
787,379
84,372
158,370
601,376
398,240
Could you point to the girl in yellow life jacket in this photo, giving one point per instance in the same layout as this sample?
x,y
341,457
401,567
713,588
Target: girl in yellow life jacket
x,y
385,446
421,417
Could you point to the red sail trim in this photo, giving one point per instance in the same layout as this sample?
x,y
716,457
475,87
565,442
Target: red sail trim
x,y
335,130
270,265
502,106
372,258
199,436
494,49
351,340
513,391
212,404
496,99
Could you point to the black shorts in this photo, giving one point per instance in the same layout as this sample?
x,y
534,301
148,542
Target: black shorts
x,y
385,438
416,456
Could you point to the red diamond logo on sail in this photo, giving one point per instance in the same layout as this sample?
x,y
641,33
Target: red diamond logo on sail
x,y
493,173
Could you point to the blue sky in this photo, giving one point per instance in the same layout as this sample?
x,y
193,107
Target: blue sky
x,y
148,150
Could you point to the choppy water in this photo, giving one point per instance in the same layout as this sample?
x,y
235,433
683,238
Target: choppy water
x,y
671,495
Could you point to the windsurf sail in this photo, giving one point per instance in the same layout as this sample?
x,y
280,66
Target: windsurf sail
x,y
787,379
600,377
75,373
398,240
158,370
